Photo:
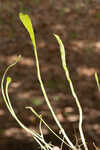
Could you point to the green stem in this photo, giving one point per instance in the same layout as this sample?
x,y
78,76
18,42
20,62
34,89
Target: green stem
x,y
64,65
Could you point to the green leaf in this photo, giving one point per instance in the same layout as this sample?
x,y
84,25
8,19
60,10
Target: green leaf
x,y
62,50
25,19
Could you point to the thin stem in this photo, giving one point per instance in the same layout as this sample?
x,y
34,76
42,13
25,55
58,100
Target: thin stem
x,y
64,65
97,81
9,106
39,116
28,25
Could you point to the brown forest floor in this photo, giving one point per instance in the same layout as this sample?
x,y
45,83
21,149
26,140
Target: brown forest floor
x,y
78,24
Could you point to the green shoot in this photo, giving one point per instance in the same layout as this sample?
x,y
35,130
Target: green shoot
x,y
25,19
6,98
28,25
41,119
63,58
97,81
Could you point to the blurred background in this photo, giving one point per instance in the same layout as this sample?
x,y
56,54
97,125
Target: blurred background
x,y
78,25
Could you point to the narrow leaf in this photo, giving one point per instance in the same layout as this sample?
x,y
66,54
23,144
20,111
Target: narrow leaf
x,y
97,81
25,19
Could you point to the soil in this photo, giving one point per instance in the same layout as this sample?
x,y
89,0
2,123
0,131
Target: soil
x,y
78,25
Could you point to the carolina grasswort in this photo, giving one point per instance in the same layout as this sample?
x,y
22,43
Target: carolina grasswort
x,y
25,19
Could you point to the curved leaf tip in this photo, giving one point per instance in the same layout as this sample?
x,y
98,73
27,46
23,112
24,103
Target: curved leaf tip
x,y
9,79
25,19
19,57
56,36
